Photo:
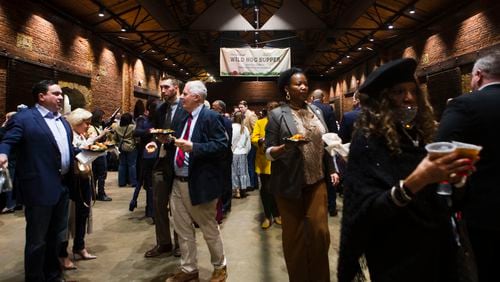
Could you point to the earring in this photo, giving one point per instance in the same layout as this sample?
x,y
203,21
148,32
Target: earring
x,y
287,97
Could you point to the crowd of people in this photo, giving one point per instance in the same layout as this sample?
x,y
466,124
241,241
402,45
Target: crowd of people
x,y
192,161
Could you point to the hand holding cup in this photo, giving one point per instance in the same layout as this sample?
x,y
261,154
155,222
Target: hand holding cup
x,y
456,161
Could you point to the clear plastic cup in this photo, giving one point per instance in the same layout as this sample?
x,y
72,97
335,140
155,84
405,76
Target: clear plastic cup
x,y
437,149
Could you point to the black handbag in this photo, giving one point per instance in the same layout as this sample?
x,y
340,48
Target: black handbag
x,y
465,260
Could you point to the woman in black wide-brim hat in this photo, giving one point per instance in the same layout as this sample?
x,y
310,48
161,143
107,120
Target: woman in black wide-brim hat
x,y
392,215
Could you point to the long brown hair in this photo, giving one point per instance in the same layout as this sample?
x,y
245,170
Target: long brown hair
x,y
238,118
378,118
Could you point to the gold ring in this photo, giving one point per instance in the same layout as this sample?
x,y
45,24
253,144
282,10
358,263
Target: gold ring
x,y
452,175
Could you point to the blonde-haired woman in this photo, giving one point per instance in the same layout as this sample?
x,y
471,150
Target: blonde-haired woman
x,y
240,147
80,207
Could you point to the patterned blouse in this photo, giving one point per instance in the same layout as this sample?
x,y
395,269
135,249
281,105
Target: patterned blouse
x,y
309,125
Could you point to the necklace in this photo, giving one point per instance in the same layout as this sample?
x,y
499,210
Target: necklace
x,y
414,141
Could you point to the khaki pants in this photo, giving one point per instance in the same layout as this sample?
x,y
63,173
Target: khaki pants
x,y
184,214
306,237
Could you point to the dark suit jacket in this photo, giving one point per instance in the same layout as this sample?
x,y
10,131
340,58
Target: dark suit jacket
x,y
161,113
347,125
287,177
474,118
38,180
206,161
180,115
328,114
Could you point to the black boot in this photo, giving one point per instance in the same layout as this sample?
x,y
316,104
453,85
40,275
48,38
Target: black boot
x,y
103,197
132,205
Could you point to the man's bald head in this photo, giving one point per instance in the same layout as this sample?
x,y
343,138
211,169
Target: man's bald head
x,y
318,94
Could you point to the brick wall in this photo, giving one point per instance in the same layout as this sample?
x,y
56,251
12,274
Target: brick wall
x,y
458,46
256,93
34,34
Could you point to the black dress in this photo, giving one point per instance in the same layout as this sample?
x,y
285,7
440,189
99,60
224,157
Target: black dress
x,y
411,243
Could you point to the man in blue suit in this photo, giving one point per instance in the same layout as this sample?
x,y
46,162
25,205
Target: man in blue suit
x,y
327,110
220,107
198,182
331,123
44,175
348,120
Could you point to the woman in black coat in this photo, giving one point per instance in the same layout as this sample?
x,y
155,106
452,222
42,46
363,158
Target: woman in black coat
x,y
392,215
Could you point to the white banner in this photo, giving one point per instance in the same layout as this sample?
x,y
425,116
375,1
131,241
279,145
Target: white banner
x,y
256,62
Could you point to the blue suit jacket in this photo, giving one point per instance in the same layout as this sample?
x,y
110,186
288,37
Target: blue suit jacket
x,y
206,161
347,124
38,180
329,115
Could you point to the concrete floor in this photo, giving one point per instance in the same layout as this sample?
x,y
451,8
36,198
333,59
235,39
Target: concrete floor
x,y
121,237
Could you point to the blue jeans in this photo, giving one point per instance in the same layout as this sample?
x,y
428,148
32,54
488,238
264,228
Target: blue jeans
x,y
10,203
251,167
46,228
126,168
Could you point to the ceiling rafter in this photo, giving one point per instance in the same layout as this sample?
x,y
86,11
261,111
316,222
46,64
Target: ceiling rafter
x,y
393,18
113,15
134,26
403,14
380,21
123,22
147,18
164,26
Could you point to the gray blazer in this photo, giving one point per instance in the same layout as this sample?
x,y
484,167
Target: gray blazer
x,y
287,171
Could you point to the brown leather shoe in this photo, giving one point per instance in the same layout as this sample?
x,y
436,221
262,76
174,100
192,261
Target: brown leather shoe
x,y
219,275
182,276
158,250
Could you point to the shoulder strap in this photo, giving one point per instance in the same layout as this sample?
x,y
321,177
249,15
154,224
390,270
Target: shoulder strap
x,y
123,137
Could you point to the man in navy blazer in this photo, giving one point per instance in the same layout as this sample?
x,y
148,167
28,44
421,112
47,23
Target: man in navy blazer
x,y
220,107
331,123
327,110
198,183
474,118
44,175
348,120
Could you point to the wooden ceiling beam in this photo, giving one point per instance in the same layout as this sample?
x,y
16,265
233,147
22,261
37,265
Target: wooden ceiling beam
x,y
113,16
401,13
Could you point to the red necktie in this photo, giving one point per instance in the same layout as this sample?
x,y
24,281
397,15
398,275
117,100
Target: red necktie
x,y
179,160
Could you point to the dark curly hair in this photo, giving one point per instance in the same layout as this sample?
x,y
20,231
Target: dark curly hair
x,y
378,118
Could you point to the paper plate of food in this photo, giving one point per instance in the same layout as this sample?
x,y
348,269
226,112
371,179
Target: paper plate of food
x,y
151,148
96,147
161,131
297,138
109,144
